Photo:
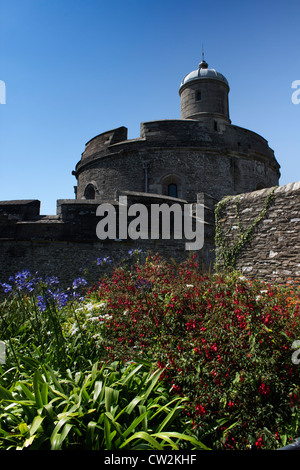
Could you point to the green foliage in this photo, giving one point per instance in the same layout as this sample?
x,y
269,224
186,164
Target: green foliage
x,y
110,407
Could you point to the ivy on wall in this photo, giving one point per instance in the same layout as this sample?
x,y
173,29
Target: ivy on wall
x,y
228,250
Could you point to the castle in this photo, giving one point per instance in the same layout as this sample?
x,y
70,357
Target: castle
x,y
199,158
200,153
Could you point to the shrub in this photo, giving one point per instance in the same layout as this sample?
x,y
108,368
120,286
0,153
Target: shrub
x,y
223,341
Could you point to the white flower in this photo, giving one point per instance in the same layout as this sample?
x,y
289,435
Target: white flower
x,y
100,305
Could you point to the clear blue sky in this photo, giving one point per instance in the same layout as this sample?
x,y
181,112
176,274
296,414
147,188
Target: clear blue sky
x,y
76,68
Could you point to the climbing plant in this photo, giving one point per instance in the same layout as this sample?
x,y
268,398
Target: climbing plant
x,y
227,252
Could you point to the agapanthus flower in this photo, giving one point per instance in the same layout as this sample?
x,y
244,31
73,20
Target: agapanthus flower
x,y
59,299
135,251
79,282
52,280
7,287
24,281
101,261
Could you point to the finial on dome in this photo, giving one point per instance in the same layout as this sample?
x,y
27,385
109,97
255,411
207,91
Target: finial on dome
x,y
203,64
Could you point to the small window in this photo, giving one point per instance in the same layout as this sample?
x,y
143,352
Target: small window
x,y
216,125
90,192
172,190
198,96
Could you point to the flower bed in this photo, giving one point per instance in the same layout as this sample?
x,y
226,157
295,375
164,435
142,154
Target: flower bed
x,y
223,343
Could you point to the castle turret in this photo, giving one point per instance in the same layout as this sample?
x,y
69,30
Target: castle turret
x,y
204,96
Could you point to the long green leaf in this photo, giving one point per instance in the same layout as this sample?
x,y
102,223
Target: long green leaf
x,y
55,381
98,386
134,402
36,388
27,392
135,423
182,436
131,374
54,438
5,394
154,378
36,423
44,393
171,414
107,436
144,436
111,397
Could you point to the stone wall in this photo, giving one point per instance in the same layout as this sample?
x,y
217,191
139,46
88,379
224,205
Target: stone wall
x,y
273,251
66,245
229,161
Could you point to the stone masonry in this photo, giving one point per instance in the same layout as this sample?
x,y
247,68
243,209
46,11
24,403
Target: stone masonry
x,y
272,254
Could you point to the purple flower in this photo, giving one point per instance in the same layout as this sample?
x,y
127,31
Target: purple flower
x,y
6,287
52,280
59,299
24,281
42,303
79,282
106,260
135,251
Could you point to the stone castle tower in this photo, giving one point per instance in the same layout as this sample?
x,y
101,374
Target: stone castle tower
x,y
196,159
203,152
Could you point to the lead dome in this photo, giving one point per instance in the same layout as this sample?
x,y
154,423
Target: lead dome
x,y
203,72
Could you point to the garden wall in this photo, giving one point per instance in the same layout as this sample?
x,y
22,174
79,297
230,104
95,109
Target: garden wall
x,y
272,252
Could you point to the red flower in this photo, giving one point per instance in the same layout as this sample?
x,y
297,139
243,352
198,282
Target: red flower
x,y
259,443
264,389
200,410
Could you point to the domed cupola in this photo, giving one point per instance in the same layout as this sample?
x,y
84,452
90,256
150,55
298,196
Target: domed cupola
x,y
204,96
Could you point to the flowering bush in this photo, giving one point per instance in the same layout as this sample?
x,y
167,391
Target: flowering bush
x,y
34,314
223,341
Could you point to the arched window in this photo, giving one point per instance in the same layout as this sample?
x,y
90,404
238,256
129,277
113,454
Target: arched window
x,y
172,190
90,192
172,185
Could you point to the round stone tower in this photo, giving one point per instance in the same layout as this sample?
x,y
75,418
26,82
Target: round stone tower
x,y
203,152
204,96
